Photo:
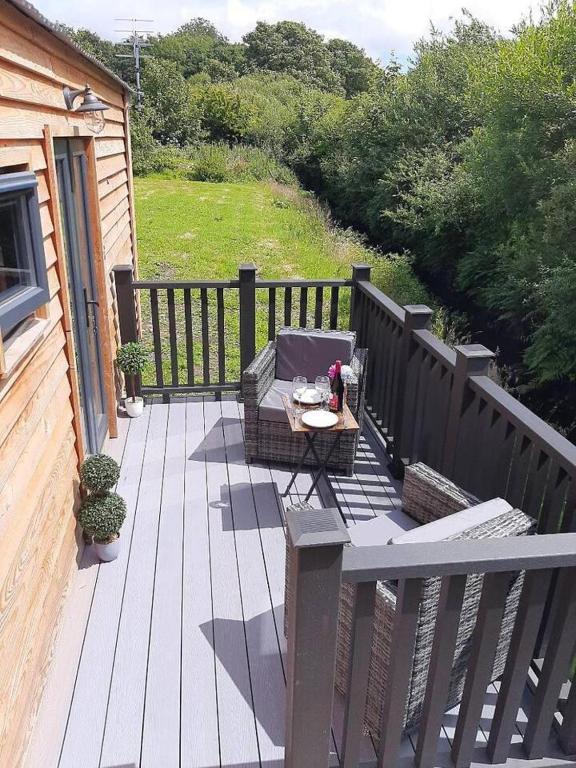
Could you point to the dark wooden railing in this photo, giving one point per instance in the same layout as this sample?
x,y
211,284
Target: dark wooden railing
x,y
321,562
203,333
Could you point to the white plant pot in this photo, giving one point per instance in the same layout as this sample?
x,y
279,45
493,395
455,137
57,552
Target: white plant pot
x,y
134,408
108,552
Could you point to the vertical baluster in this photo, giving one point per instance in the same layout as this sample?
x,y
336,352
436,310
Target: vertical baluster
x,y
397,688
484,645
334,300
318,307
303,307
522,459
554,500
205,337
156,337
172,336
288,306
362,629
556,666
541,468
567,735
528,617
501,441
221,336
271,314
440,669
189,337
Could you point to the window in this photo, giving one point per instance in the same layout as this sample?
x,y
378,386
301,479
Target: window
x,y
23,281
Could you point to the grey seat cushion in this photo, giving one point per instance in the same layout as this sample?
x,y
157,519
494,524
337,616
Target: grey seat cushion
x,y
271,406
309,352
455,525
381,529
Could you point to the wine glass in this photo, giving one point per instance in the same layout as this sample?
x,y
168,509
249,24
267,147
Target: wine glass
x,y
299,386
323,386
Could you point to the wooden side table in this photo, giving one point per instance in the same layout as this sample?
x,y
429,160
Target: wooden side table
x,y
346,423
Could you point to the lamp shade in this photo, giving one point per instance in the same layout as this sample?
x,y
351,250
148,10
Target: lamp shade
x,y
90,102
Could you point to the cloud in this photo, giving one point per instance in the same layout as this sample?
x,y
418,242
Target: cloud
x,y
379,26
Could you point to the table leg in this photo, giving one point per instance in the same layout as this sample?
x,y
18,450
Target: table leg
x,y
309,446
322,465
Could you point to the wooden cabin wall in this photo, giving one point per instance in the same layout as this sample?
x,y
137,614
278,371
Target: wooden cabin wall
x,y
40,438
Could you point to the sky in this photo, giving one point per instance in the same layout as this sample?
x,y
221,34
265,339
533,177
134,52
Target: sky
x,y
378,26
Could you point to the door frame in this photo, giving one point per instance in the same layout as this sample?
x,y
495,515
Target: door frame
x,y
99,291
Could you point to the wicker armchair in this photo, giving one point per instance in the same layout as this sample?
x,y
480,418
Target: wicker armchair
x,y
427,497
271,439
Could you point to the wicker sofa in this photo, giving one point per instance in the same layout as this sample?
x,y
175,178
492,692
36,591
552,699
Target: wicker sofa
x,y
307,352
433,509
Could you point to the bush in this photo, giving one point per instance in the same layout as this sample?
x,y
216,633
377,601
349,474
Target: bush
x,y
102,516
131,359
99,473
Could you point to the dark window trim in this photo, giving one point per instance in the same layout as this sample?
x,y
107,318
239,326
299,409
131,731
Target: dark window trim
x,y
23,302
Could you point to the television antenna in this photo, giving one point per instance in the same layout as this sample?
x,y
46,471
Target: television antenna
x,y
137,39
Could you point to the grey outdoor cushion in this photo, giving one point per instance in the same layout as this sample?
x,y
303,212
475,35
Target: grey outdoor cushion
x,y
309,352
380,529
271,406
455,525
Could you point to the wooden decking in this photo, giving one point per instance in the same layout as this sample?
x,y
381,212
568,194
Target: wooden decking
x,y
173,654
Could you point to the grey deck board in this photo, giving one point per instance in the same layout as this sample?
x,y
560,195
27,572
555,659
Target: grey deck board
x,y
123,731
161,728
199,713
179,645
237,726
84,733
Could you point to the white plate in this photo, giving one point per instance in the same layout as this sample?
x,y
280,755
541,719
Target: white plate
x,y
319,419
309,396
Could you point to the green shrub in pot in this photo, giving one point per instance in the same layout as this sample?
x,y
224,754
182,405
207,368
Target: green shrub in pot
x,y
131,358
102,512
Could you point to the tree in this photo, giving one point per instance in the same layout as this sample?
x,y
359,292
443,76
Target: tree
x,y
293,49
355,70
171,108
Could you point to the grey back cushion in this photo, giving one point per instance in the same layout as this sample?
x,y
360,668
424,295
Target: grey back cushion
x,y
304,352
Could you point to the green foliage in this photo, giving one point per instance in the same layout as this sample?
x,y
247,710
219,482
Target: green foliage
x,y
355,70
131,358
225,115
99,473
102,516
293,49
171,109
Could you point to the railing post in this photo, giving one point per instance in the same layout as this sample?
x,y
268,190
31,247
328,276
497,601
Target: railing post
x,y
247,277
471,360
318,537
360,272
126,303
417,317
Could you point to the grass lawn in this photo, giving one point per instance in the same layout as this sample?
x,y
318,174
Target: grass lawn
x,y
191,230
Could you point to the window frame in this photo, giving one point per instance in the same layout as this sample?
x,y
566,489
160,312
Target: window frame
x,y
17,306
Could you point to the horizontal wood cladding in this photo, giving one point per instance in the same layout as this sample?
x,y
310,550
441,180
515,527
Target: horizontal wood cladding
x,y
39,434
22,85
27,44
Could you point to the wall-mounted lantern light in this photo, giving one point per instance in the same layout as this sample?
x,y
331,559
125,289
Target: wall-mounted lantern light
x,y
91,108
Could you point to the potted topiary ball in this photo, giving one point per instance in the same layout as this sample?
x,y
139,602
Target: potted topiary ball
x,y
131,359
101,517
102,512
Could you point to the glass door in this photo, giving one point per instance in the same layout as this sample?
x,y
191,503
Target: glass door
x,y
71,166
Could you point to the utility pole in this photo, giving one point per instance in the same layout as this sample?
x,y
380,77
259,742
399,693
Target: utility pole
x,y
136,41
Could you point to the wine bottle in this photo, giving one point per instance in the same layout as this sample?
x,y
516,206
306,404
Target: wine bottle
x,y
337,399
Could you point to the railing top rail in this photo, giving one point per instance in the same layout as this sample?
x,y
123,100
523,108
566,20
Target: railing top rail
x,y
381,300
179,284
540,433
453,558
297,283
436,347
